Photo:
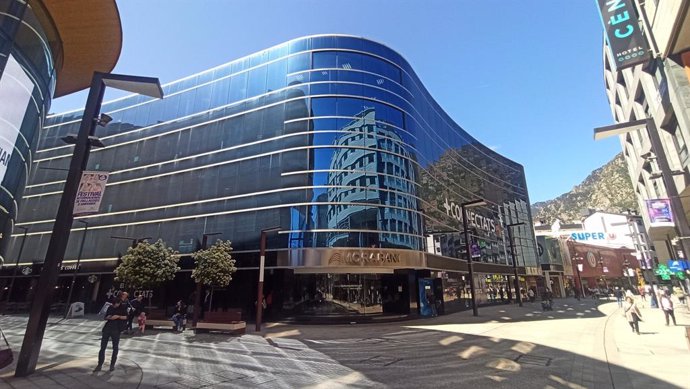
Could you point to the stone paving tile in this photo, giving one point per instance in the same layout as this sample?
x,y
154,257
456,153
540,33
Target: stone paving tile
x,y
478,352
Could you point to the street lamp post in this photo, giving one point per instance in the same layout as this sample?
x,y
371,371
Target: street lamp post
x,y
578,259
38,317
512,254
600,262
626,264
197,299
76,269
260,287
680,221
464,206
16,265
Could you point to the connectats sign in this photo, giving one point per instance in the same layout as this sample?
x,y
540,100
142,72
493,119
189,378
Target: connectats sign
x,y
474,219
628,45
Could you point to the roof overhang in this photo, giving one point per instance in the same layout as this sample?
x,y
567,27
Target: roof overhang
x,y
91,36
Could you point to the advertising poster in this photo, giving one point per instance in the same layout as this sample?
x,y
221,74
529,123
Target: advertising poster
x,y
660,213
15,94
90,193
475,250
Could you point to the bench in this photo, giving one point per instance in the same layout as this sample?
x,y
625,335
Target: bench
x,y
158,318
229,321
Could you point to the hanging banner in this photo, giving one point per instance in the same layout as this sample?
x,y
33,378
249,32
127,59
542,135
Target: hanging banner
x,y
15,96
627,43
90,193
660,213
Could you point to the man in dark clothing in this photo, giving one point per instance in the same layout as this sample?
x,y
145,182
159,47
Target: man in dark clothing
x,y
137,307
115,321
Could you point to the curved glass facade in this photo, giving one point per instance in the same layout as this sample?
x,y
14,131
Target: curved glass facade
x,y
332,138
29,51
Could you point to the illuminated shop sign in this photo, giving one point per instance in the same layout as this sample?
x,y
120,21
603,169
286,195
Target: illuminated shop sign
x,y
660,213
364,258
473,219
344,258
628,45
586,236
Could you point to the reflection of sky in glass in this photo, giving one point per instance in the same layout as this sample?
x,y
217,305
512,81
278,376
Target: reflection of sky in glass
x,y
414,142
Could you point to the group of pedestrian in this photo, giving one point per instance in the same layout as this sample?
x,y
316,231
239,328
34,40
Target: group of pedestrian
x,y
634,317
496,293
119,317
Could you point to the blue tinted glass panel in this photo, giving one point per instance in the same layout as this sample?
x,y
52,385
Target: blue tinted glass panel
x,y
298,63
256,82
276,75
278,52
349,61
238,87
323,42
325,60
346,42
299,45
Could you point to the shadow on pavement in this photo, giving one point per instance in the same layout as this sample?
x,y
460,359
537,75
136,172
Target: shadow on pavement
x,y
505,347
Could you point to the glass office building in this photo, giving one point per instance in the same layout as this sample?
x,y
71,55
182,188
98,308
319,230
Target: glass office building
x,y
45,51
332,138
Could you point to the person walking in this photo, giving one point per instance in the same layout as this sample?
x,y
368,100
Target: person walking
x,y
115,322
124,300
667,307
632,314
135,307
619,297
431,299
640,289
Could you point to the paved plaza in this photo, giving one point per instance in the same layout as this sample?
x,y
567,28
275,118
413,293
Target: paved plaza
x,y
581,344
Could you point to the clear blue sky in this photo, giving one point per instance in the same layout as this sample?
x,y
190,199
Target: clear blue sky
x,y
524,77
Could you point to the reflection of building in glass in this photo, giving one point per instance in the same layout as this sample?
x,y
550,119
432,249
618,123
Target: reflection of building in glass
x,y
370,167
332,138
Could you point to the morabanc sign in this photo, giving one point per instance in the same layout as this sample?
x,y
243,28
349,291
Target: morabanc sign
x,y
627,43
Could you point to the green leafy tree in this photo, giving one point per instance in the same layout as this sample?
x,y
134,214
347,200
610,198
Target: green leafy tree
x,y
147,265
214,266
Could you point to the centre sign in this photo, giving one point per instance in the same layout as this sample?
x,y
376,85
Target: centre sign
x,y
364,258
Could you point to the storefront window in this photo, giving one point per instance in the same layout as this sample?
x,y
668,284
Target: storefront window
x,y
335,294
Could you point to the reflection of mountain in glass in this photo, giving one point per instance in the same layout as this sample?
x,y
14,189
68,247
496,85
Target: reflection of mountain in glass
x,y
369,166
468,173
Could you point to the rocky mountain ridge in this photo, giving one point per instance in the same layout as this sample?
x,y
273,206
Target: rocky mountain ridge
x,y
607,188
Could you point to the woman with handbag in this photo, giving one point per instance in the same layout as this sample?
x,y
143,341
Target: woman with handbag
x,y
632,314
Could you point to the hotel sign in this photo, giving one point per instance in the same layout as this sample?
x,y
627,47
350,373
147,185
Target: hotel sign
x,y
628,45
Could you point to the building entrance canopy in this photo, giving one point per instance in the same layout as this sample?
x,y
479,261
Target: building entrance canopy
x,y
348,259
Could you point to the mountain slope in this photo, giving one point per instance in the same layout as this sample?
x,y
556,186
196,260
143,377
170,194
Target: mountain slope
x,y
607,188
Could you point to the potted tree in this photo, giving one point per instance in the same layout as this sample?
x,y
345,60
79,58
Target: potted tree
x,y
213,267
147,265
